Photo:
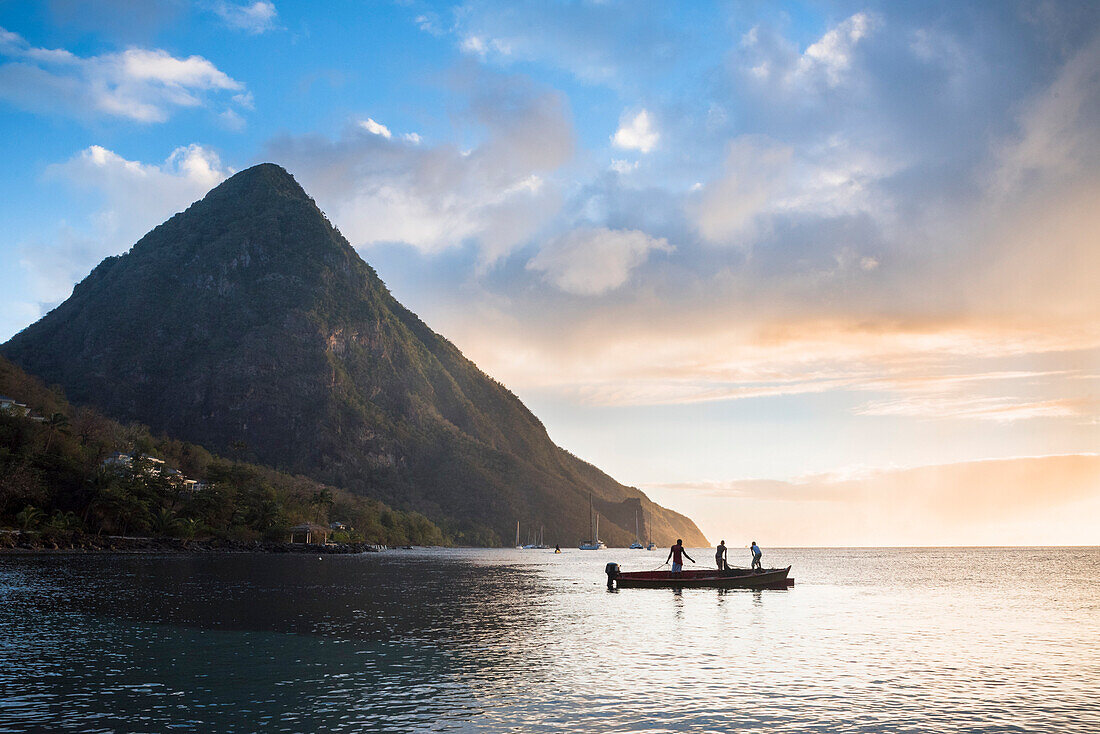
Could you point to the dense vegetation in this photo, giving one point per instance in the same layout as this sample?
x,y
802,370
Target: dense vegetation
x,y
54,480
249,325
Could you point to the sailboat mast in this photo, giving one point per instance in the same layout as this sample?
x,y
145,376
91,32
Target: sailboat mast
x,y
517,533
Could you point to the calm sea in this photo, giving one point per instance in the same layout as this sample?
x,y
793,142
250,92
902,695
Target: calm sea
x,y
955,640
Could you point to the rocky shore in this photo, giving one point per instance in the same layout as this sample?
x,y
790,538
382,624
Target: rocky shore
x,y
24,542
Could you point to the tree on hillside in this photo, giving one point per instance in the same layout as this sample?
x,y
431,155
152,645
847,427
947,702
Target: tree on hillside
x,y
56,423
321,500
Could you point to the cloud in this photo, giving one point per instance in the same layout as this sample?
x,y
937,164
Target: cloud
x,y
636,133
594,260
623,167
831,56
825,65
255,18
1001,409
382,188
1056,138
594,41
133,198
1027,500
756,171
142,85
375,128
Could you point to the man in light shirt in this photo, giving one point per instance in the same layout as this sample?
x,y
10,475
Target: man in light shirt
x,y
756,554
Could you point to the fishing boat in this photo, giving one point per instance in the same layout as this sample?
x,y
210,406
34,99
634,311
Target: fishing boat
x,y
595,544
734,578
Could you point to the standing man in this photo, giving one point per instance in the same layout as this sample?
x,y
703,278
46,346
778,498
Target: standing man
x,y
720,556
677,554
756,554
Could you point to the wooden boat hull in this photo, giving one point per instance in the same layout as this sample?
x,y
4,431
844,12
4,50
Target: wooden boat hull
x,y
769,578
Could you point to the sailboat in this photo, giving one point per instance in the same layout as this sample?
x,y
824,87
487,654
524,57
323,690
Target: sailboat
x,y
595,544
518,546
637,544
539,543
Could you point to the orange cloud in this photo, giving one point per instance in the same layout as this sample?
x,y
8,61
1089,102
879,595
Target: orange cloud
x,y
1023,500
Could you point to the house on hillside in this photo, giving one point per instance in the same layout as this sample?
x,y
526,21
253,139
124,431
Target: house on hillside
x,y
13,407
117,460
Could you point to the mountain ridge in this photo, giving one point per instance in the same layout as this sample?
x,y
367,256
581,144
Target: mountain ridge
x,y
248,319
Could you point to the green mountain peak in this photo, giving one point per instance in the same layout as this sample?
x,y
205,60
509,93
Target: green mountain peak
x,y
248,319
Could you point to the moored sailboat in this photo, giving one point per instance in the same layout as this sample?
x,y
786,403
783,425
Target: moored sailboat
x,y
596,543
637,544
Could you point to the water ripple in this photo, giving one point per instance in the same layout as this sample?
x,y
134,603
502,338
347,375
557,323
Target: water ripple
x,y
980,640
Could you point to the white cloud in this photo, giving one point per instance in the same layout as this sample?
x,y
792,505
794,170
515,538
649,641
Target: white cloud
x,y
636,133
413,138
595,260
375,128
473,44
623,167
232,120
255,18
831,55
135,197
825,64
144,85
756,172
479,46
383,188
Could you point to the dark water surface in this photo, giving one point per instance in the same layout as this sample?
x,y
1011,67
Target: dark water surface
x,y
957,640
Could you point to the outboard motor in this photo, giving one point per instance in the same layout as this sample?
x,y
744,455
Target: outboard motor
x,y
612,571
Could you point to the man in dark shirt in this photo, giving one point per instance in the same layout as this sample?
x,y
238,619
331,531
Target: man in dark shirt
x,y
720,556
677,554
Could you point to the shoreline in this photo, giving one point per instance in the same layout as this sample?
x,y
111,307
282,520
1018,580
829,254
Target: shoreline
x,y
19,543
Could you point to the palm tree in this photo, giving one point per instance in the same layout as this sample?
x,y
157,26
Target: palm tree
x,y
56,423
29,517
321,499
165,523
188,527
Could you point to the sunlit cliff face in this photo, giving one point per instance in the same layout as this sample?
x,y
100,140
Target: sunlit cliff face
x,y
828,273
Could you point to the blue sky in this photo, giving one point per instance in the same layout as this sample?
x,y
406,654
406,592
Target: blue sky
x,y
715,246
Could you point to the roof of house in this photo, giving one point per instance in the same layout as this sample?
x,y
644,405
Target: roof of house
x,y
310,526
